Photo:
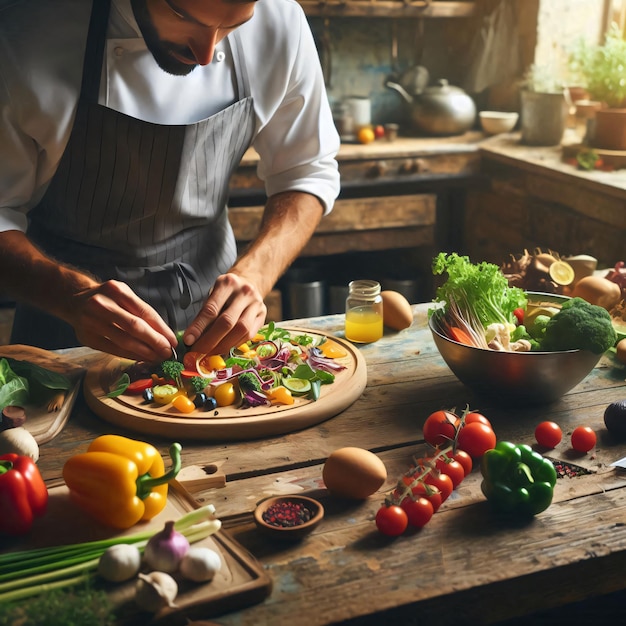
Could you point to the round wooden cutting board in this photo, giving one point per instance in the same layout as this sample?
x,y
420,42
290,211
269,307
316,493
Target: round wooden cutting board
x,y
225,422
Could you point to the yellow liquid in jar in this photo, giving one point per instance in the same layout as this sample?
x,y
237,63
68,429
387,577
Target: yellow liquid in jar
x,y
363,325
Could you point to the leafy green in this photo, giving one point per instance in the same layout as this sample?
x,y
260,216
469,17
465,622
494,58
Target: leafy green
x,y
14,389
120,386
480,290
41,381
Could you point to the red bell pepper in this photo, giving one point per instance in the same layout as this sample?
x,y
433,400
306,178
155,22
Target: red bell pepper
x,y
23,494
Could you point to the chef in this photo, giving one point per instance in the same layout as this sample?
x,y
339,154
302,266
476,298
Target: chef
x,y
120,126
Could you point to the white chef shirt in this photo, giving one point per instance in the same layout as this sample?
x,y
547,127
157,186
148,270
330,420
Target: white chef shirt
x,y
41,56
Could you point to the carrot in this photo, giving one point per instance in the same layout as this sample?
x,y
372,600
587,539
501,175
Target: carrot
x,y
460,336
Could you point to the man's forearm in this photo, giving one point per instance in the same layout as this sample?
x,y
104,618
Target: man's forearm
x,y
289,221
29,276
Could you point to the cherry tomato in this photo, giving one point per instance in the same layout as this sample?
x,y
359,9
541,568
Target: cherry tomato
x,y
476,438
471,418
451,468
583,439
430,492
443,482
183,404
224,394
139,386
418,511
548,434
464,459
190,359
211,362
440,427
519,315
391,520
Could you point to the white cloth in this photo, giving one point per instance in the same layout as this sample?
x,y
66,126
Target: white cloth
x,y
41,54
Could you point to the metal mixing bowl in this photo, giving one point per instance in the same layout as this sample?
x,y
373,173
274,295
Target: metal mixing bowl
x,y
519,377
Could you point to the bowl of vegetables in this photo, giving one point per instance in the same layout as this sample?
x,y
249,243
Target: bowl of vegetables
x,y
511,345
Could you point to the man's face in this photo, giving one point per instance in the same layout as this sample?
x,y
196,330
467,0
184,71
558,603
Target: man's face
x,y
182,34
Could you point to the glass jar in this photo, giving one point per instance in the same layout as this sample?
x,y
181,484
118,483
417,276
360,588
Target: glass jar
x,y
364,312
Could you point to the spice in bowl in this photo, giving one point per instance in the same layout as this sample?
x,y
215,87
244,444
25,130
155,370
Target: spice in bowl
x,y
288,516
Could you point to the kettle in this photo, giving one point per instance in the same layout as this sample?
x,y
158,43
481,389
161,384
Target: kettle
x,y
441,109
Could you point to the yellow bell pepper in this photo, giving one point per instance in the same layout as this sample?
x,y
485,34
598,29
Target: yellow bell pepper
x,y
280,395
120,481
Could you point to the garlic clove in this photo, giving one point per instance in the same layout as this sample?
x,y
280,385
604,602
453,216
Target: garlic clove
x,y
155,591
119,562
19,441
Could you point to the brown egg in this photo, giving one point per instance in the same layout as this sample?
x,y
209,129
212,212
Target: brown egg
x,y
397,312
353,473
598,290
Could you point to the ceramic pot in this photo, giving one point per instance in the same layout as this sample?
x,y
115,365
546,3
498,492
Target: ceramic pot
x,y
544,116
609,129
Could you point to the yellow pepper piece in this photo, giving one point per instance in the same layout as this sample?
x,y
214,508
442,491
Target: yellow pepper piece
x,y
120,481
280,395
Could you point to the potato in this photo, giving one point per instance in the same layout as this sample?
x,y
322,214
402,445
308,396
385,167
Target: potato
x,y
620,351
598,290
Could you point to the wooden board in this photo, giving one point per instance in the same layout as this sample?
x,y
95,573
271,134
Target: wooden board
x,y
241,580
43,424
226,422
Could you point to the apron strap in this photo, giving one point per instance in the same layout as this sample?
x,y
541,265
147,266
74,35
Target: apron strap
x,y
239,63
94,52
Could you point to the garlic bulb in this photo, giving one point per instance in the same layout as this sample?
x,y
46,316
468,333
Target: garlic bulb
x,y
155,591
119,562
200,564
20,441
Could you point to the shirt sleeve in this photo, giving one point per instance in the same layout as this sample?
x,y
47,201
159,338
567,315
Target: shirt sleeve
x,y
297,141
18,157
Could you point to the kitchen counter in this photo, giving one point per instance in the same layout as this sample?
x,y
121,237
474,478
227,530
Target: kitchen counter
x,y
465,566
528,197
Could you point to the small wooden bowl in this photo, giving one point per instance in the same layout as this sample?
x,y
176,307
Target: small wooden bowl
x,y
289,532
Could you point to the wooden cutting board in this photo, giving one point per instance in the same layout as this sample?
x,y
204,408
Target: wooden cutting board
x,y
43,424
227,422
241,581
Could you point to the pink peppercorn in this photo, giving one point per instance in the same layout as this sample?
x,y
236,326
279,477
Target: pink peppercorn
x,y
287,514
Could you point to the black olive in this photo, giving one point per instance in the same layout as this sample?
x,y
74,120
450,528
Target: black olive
x,y
210,404
199,400
615,418
148,395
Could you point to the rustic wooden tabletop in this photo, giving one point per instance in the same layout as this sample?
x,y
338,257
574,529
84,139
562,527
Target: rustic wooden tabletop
x,y
465,566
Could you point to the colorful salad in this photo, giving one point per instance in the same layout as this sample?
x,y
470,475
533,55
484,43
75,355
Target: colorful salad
x,y
274,367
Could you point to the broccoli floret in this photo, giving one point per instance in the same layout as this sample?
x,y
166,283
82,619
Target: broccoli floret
x,y
197,384
171,370
249,382
579,325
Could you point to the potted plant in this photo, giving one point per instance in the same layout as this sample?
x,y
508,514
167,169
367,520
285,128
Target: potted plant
x,y
544,107
602,69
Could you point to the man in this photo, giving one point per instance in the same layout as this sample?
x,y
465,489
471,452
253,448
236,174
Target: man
x,y
114,171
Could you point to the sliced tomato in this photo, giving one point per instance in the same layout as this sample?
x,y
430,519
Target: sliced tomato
x,y
189,374
190,359
139,386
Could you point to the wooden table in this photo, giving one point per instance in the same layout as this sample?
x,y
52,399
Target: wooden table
x,y
464,567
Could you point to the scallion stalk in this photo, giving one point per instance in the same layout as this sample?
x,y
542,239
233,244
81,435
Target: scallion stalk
x,y
31,572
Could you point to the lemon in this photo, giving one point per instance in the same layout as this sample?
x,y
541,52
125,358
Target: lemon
x,y
297,386
366,135
561,273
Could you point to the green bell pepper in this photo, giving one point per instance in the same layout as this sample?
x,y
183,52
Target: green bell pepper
x,y
517,481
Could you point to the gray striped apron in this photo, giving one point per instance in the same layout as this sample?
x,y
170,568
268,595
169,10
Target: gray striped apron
x,y
140,202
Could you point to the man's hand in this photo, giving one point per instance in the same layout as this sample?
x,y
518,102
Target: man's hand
x,y
111,318
232,314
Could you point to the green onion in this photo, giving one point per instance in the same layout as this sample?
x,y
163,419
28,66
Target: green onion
x,y
31,572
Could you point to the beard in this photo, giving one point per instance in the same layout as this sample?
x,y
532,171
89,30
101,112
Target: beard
x,y
162,51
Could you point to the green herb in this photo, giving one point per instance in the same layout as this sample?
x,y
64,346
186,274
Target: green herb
x,y
120,386
14,389
587,159
79,606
